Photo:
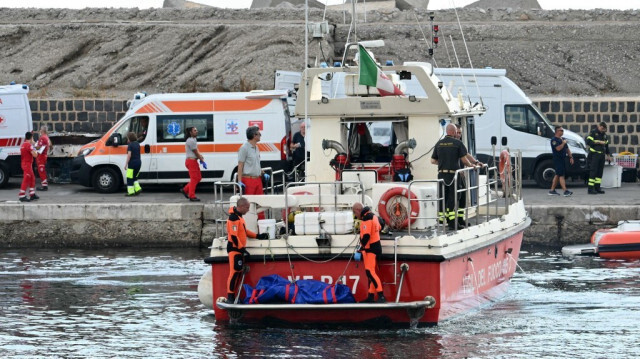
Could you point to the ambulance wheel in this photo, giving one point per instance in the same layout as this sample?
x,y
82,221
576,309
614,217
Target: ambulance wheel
x,y
106,180
4,175
544,173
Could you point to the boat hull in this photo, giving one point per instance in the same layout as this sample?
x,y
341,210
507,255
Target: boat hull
x,y
457,283
619,245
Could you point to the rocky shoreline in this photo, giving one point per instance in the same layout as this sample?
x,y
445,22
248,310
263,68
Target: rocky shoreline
x,y
102,53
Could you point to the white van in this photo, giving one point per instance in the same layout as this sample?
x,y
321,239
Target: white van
x,y
511,121
160,122
15,121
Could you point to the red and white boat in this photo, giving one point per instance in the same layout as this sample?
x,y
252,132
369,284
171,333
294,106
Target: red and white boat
x,y
622,242
429,273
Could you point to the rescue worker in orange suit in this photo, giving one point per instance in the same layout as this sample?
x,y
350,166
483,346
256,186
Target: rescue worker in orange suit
x,y
42,148
27,154
237,234
449,153
371,249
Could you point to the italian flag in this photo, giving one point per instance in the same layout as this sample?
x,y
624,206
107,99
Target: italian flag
x,y
372,75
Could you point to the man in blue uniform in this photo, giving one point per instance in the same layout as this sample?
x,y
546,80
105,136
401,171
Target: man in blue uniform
x,y
560,150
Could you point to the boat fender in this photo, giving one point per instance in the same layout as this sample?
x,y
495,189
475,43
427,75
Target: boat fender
x,y
505,163
398,192
505,172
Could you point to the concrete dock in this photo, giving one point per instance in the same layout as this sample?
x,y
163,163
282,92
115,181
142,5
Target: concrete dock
x,y
74,216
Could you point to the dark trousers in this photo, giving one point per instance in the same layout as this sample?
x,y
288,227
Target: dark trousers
x,y
450,198
596,168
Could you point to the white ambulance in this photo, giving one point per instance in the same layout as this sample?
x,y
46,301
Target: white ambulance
x,y
160,122
15,121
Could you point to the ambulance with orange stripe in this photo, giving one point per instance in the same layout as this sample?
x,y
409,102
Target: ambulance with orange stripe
x,y
15,121
160,122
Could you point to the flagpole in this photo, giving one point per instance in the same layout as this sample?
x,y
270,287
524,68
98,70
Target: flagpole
x,y
306,80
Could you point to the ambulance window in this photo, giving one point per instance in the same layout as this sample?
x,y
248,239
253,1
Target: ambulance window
x,y
139,126
123,130
171,128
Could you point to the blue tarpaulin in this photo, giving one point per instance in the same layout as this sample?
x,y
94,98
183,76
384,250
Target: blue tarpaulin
x,y
275,289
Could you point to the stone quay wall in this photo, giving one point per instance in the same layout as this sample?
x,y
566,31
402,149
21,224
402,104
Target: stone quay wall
x,y
580,115
77,115
576,114
98,225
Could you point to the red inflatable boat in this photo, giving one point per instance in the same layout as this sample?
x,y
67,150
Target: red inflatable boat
x,y
622,242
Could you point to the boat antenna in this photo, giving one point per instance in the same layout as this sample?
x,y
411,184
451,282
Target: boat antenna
x,y
447,50
353,20
464,41
306,75
424,37
352,26
455,54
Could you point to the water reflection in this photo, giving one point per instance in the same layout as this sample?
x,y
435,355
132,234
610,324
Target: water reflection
x,y
143,303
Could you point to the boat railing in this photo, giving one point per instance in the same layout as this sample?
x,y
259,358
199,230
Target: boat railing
x,y
337,190
511,179
492,188
440,222
467,184
222,203
272,185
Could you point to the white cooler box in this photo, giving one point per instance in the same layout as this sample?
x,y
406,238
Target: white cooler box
x,y
611,176
334,222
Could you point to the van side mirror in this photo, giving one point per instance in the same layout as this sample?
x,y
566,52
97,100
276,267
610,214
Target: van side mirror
x,y
114,140
504,141
494,141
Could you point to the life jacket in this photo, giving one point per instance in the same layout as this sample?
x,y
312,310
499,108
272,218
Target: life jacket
x,y
237,231
369,228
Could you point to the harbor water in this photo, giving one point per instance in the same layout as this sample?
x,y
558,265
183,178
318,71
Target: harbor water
x,y
143,304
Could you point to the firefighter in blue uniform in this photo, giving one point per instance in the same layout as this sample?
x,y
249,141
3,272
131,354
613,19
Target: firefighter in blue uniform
x,y
598,143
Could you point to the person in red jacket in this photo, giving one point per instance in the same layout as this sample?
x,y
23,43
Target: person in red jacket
x,y
237,234
27,154
42,148
371,249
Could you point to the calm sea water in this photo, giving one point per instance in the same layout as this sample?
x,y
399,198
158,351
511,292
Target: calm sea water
x,y
143,304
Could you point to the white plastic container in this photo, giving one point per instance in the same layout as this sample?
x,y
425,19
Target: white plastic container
x,y
334,222
267,226
611,176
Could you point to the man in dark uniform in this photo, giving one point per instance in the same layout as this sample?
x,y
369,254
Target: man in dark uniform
x,y
598,143
448,153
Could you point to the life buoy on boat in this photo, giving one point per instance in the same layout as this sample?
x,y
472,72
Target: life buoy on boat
x,y
383,209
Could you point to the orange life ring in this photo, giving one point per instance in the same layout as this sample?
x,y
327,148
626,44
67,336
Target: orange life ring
x,y
398,192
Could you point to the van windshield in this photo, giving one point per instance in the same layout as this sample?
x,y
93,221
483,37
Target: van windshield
x,y
527,118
